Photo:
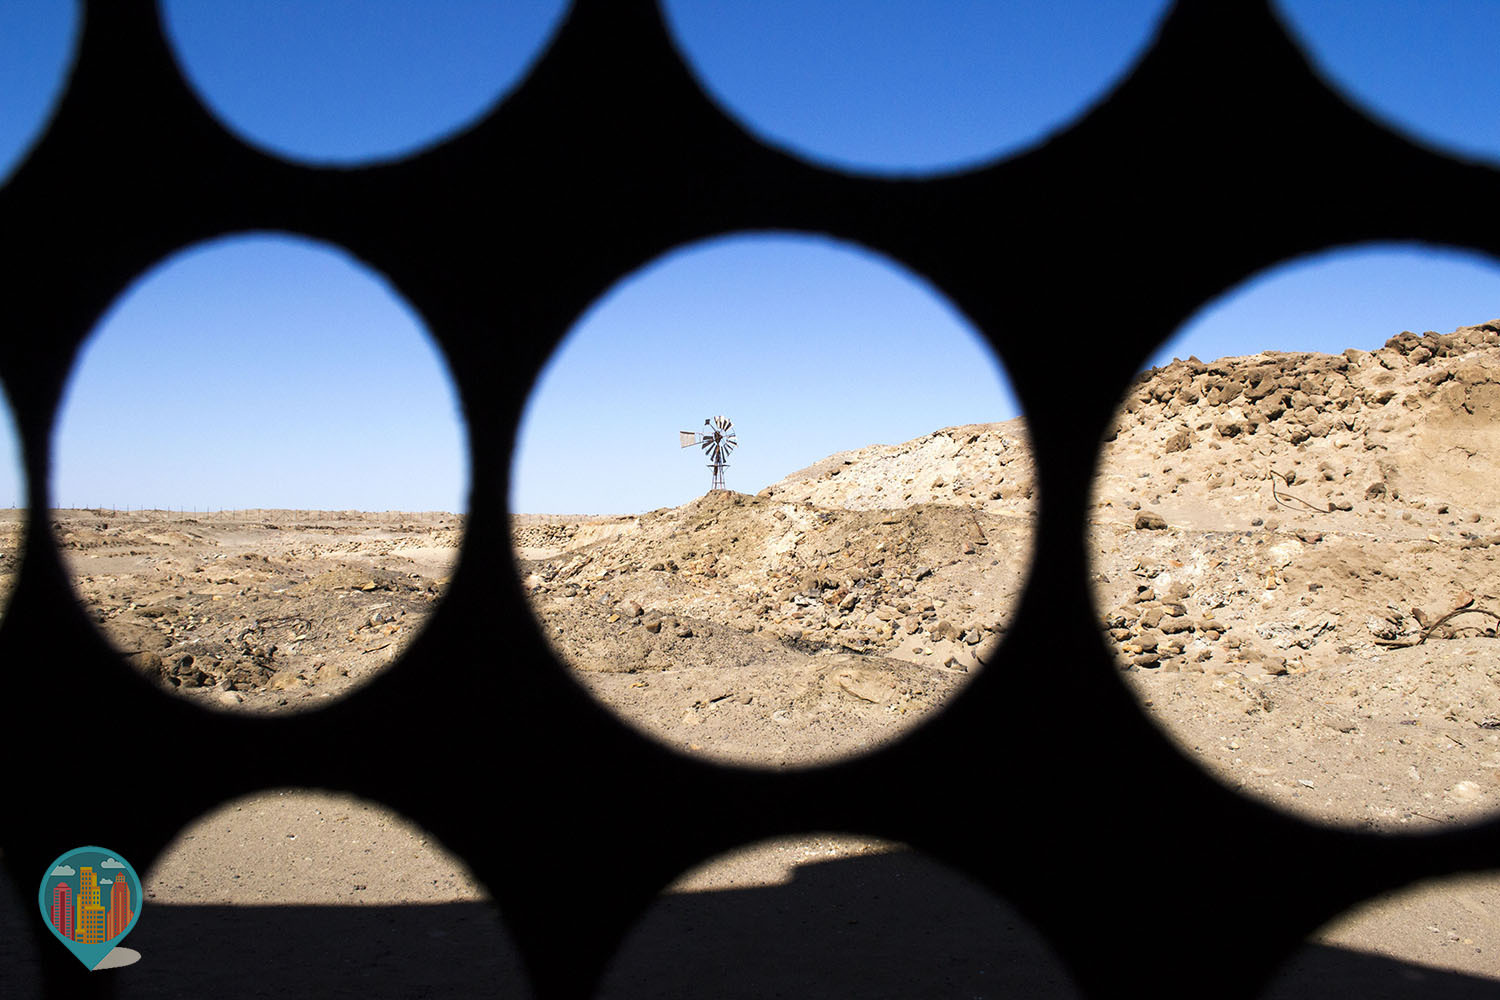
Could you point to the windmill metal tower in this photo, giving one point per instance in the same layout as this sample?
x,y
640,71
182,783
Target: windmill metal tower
x,y
717,441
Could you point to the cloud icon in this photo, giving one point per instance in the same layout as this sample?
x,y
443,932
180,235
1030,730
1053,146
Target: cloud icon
x,y
111,863
62,870
106,881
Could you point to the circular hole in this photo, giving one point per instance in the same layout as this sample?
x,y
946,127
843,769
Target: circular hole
x,y
874,532
37,39
308,890
259,472
832,915
346,83
917,87
1284,521
1436,938
13,496
1418,67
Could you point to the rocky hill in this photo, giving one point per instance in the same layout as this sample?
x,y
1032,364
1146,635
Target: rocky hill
x,y
1279,539
1297,551
820,616
1305,482
1413,422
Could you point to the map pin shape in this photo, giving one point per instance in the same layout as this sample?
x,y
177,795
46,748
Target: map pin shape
x,y
90,899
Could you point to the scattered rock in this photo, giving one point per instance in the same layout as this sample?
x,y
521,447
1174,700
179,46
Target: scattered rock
x,y
866,685
147,663
285,679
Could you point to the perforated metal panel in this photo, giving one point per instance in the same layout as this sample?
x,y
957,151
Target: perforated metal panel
x,y
1221,154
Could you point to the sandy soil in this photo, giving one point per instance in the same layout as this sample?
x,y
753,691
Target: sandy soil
x,y
772,631
259,610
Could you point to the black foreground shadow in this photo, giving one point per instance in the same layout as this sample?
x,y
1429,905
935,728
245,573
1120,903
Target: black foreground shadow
x,y
878,926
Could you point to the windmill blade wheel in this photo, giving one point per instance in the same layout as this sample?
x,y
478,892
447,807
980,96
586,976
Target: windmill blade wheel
x,y
717,441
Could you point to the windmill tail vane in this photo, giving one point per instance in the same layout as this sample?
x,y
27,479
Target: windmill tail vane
x,y
717,441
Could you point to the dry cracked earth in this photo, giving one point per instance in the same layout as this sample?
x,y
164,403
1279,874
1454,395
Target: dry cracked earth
x,y
1294,558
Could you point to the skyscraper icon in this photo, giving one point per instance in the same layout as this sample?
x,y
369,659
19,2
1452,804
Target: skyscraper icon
x,y
62,909
90,899
120,915
90,925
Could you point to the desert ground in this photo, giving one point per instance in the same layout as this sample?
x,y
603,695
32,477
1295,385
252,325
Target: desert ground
x,y
1294,558
258,610
816,619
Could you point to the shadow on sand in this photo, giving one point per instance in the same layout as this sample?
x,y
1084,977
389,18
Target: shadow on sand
x,y
889,925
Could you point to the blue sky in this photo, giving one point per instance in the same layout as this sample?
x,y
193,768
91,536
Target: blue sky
x,y
260,371
905,87
1357,296
1424,69
898,86
351,80
808,345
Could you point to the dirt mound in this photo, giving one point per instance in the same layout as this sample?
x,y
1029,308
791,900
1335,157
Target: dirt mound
x,y
824,614
1279,542
540,537
985,466
1410,422
1271,532
854,579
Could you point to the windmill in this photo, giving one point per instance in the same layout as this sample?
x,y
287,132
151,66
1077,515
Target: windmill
x,y
717,441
